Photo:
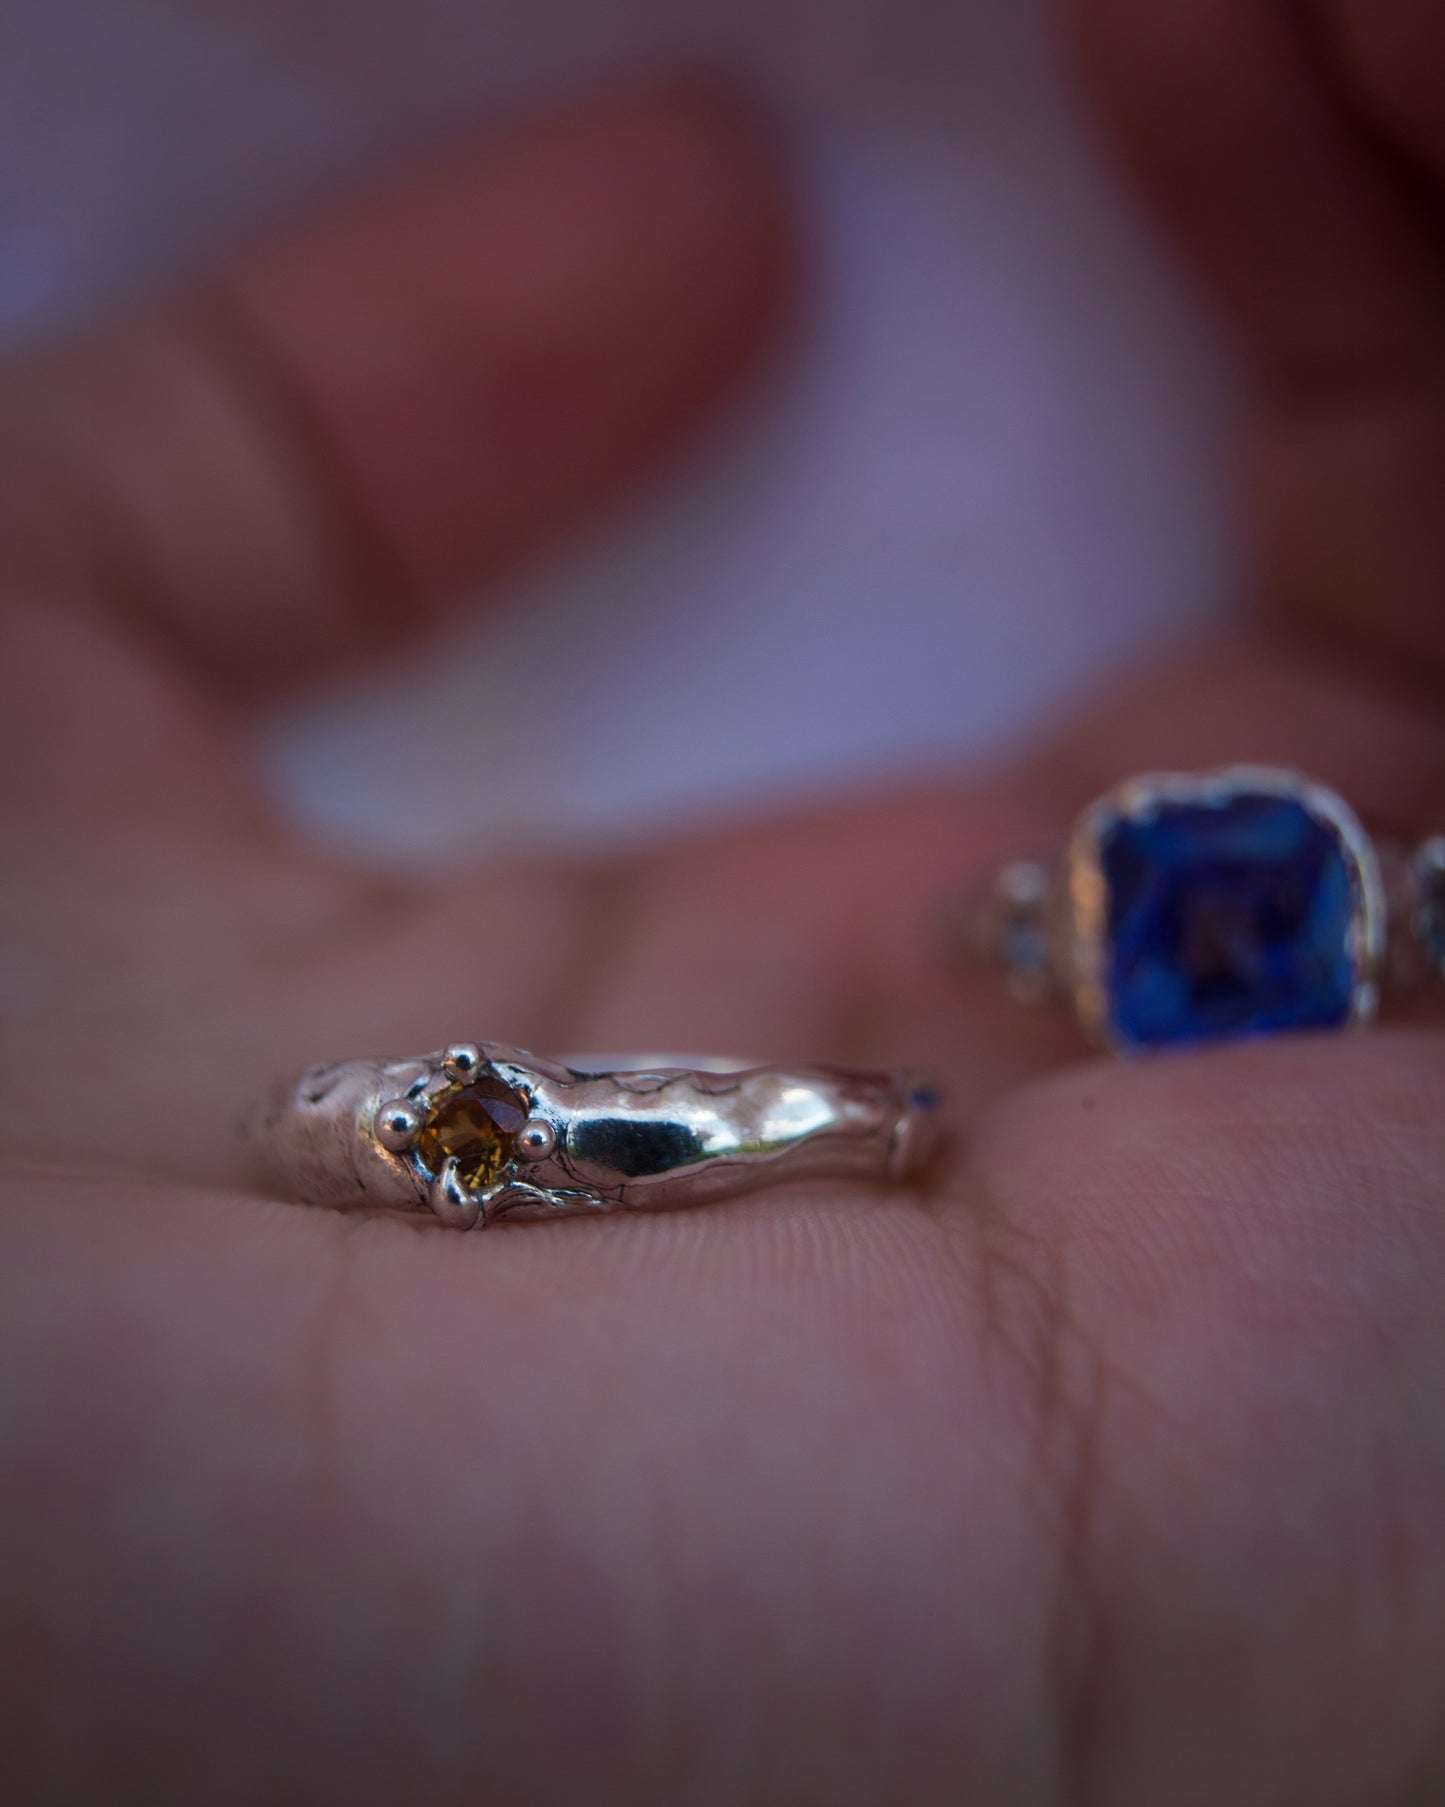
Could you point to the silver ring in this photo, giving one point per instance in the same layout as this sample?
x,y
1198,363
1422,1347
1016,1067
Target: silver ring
x,y
479,1132
1192,908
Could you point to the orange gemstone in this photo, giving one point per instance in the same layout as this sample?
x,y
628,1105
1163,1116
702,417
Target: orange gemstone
x,y
478,1123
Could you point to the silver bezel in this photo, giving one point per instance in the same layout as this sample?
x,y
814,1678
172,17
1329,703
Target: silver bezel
x,y
1085,890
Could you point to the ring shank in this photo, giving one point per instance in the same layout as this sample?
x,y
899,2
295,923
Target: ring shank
x,y
309,1138
643,1137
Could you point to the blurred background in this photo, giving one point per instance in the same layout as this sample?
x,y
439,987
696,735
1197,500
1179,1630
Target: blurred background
x,y
991,468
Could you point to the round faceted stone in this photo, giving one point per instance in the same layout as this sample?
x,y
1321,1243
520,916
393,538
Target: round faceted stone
x,y
478,1123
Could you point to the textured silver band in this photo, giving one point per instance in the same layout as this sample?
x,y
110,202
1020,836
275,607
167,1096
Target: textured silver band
x,y
566,1140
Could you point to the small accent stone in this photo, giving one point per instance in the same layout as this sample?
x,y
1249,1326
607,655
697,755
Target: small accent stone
x,y
1227,917
1430,909
478,1123
1022,905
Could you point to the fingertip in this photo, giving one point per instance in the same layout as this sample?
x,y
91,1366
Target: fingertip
x,y
289,468
1224,112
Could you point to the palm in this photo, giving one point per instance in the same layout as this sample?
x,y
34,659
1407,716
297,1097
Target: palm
x,y
1114,1461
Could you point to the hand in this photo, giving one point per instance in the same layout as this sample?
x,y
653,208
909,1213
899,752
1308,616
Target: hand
x,y
1112,1468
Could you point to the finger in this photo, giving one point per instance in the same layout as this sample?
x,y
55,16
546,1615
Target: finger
x,y
1396,50
1329,261
1263,703
822,936
290,466
827,935
809,938
1140,1445
1329,268
1221,1276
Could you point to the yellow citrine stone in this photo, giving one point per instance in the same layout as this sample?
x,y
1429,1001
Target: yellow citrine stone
x,y
478,1124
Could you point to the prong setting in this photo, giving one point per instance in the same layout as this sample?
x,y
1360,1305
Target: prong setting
x,y
461,1062
454,1205
536,1140
465,1119
397,1124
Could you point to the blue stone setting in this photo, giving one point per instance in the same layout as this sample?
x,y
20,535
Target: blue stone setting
x,y
1228,915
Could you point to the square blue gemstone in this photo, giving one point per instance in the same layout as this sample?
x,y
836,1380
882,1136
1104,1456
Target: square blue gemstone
x,y
1226,918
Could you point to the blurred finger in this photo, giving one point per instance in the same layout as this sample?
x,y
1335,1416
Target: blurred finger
x,y
366,415
1328,267
1327,254
1397,50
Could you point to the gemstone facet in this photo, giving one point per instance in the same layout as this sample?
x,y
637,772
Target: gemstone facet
x,y
1228,915
478,1123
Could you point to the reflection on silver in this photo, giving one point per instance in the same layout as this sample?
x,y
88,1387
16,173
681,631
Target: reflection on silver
x,y
647,1135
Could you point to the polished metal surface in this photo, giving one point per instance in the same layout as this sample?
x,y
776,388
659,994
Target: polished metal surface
x,y
646,1136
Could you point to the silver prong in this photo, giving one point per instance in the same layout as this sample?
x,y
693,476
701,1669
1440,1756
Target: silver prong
x,y
536,1139
461,1061
454,1205
397,1123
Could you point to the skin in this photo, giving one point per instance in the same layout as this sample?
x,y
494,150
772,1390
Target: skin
x,y
1107,1468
